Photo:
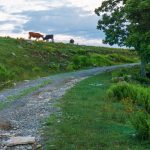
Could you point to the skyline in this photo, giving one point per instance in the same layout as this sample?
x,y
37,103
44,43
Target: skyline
x,y
64,18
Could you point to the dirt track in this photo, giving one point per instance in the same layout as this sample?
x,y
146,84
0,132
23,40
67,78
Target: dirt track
x,y
27,114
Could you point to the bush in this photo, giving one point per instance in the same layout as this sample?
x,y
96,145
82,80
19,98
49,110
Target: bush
x,y
95,60
120,72
118,58
70,67
131,75
100,60
140,95
81,61
120,91
36,69
5,74
126,78
142,80
54,66
140,124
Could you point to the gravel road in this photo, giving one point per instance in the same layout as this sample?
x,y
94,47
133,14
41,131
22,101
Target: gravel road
x,y
26,114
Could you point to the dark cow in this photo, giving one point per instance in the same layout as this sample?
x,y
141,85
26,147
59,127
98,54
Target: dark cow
x,y
35,35
48,37
71,41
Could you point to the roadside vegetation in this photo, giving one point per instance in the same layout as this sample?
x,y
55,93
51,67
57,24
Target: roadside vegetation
x,y
22,59
110,111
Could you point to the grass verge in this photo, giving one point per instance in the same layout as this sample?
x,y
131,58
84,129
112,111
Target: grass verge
x,y
89,121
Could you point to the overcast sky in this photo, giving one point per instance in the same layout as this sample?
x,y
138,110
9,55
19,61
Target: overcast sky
x,y
64,18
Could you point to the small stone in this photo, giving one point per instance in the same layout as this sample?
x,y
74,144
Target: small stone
x,y
5,124
20,141
5,135
39,146
40,97
26,80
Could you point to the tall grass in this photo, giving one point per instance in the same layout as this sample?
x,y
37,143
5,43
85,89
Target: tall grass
x,y
139,94
140,98
5,74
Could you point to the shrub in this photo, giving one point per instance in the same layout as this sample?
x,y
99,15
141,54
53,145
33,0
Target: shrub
x,y
100,60
70,67
118,58
36,69
140,95
81,61
142,80
54,66
5,74
120,72
140,124
81,51
117,79
130,75
126,78
120,91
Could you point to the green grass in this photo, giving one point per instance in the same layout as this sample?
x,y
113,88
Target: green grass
x,y
89,121
21,59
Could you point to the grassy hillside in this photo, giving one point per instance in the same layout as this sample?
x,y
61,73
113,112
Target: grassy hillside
x,y
22,59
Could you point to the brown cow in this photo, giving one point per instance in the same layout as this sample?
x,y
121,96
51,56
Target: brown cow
x,y
35,35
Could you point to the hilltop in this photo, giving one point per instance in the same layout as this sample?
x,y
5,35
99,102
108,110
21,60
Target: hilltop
x,y
23,59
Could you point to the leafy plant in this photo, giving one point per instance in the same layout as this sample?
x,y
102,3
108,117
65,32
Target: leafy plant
x,y
140,123
140,95
36,69
70,67
5,74
54,66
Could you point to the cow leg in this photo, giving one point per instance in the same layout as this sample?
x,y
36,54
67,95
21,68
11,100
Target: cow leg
x,y
53,40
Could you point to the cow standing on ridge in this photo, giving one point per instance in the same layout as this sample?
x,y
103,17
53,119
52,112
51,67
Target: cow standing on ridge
x,y
48,37
35,35
71,41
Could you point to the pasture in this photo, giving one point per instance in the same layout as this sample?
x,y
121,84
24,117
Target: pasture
x,y
24,59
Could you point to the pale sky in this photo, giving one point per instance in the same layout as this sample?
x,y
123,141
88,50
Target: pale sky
x,y
64,18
